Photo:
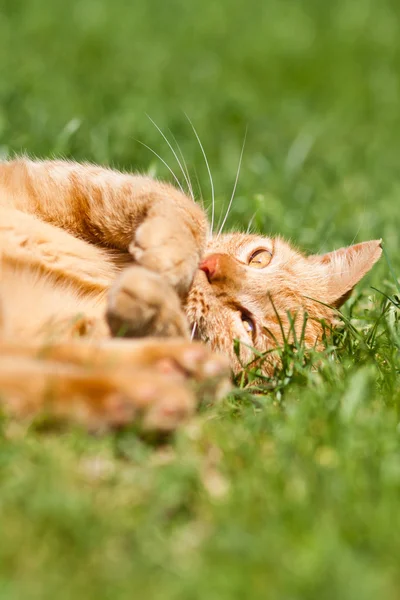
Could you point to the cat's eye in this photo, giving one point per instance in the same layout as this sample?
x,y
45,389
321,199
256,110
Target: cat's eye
x,y
260,258
248,323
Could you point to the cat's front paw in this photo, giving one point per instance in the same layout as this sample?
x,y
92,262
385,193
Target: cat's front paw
x,y
175,379
169,248
150,401
142,303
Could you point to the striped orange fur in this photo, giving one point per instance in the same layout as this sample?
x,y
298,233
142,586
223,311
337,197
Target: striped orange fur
x,y
87,251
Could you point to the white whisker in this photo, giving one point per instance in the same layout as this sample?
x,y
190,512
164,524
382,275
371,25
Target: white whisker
x,y
164,163
324,240
359,227
199,186
187,178
234,187
193,332
209,174
174,153
251,222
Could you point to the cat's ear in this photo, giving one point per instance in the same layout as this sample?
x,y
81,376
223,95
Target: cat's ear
x,y
343,269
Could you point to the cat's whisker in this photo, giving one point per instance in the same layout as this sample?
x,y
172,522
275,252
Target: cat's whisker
x,y
187,178
251,223
164,163
174,153
193,332
235,185
359,227
199,187
209,174
323,242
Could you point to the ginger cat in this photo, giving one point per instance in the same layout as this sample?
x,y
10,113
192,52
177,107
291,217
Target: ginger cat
x,y
86,251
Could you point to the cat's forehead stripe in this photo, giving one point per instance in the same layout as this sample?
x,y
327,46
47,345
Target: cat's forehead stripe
x,y
239,244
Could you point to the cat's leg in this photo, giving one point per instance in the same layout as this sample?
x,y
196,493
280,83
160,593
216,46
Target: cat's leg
x,y
142,303
91,397
35,306
1,309
52,283
154,384
27,241
193,359
163,229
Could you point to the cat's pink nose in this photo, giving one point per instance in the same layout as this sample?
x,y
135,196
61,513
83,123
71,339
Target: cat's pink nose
x,y
211,265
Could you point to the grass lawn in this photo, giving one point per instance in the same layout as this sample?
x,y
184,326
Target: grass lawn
x,y
297,494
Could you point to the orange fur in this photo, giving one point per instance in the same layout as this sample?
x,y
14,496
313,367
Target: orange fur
x,y
68,232
291,284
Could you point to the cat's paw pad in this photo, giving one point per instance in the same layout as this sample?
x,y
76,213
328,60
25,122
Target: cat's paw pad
x,y
165,247
154,403
165,394
142,303
208,373
194,358
162,385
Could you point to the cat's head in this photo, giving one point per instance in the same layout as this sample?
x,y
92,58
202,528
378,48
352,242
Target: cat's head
x,y
249,288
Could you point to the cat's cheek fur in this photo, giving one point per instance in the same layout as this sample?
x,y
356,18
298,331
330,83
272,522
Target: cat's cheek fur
x,y
287,299
67,230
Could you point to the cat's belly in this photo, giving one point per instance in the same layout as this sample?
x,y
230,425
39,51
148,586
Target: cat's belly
x,y
33,305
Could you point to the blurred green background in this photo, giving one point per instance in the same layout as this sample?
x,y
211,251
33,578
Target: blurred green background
x,y
315,83
296,496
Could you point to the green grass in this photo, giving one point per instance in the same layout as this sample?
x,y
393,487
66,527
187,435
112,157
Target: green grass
x,y
294,493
